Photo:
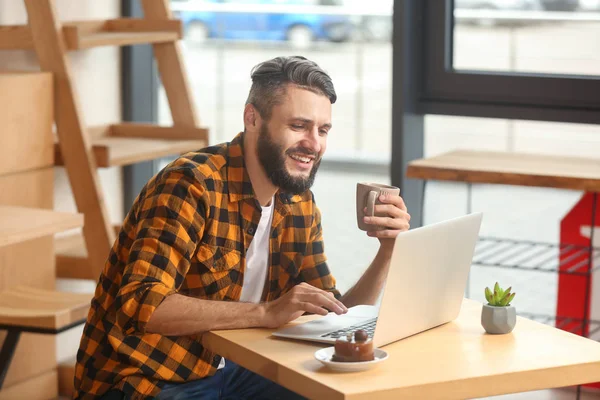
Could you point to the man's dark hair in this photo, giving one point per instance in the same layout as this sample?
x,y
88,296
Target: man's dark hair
x,y
270,78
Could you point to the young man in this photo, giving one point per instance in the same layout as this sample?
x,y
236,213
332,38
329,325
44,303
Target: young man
x,y
227,237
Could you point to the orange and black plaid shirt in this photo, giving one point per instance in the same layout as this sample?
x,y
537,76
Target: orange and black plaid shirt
x,y
188,232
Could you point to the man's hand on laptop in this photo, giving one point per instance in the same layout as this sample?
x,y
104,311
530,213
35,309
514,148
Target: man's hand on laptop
x,y
395,219
302,298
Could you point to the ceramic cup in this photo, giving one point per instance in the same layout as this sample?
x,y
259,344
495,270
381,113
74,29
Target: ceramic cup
x,y
367,195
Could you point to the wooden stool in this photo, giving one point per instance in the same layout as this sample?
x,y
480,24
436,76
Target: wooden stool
x,y
25,309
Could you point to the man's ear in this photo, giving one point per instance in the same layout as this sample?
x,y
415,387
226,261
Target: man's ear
x,y
250,117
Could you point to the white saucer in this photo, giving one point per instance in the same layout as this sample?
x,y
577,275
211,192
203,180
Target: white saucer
x,y
324,356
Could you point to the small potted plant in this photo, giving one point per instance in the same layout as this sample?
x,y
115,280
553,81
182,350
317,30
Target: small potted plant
x,y
498,316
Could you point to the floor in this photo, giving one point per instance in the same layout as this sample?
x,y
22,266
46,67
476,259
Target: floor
x,y
556,394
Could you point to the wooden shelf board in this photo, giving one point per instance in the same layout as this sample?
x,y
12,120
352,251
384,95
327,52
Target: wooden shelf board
x,y
120,32
121,39
45,309
95,33
15,37
510,169
111,151
19,224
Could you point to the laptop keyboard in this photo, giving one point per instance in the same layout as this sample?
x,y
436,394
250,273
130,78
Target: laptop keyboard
x,y
368,326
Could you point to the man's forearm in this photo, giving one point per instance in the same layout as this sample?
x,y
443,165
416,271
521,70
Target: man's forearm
x,y
180,315
370,284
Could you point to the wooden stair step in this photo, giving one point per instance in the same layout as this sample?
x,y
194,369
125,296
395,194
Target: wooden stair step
x,y
66,374
96,33
72,257
126,144
19,224
40,387
522,169
42,309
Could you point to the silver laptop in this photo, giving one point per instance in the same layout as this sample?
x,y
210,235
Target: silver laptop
x,y
424,288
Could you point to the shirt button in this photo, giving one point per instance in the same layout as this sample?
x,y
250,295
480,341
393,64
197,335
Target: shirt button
x,y
251,231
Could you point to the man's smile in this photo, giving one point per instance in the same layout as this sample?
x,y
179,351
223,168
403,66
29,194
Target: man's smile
x,y
302,161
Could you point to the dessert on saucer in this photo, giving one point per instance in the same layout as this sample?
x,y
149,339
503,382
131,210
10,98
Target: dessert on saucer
x,y
353,352
353,348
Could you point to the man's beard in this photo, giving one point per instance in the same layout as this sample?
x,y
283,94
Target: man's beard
x,y
272,157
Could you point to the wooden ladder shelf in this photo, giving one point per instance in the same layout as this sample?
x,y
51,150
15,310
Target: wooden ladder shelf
x,y
82,149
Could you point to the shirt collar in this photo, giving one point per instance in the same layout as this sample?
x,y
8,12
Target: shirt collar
x,y
238,180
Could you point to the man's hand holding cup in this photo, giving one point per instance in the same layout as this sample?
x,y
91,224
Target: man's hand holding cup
x,y
381,212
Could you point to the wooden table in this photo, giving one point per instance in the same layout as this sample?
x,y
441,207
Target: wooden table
x,y
457,360
509,169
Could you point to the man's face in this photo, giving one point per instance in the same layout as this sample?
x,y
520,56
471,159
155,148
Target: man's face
x,y
290,146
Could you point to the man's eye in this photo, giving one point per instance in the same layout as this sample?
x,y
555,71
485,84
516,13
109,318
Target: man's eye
x,y
297,126
324,132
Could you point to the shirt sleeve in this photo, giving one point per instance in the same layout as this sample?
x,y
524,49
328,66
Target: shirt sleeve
x,y
169,223
314,269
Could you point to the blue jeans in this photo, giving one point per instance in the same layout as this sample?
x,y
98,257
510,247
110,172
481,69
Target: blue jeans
x,y
229,383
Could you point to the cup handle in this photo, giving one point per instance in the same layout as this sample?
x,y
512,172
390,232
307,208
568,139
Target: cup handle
x,y
371,198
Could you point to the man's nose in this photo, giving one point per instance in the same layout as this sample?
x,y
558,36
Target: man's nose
x,y
313,140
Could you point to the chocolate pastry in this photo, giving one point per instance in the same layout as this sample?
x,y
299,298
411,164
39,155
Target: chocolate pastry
x,y
353,348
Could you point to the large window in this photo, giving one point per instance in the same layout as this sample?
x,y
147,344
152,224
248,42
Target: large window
x,y
522,36
351,40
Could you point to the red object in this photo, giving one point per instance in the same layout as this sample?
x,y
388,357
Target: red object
x,y
574,236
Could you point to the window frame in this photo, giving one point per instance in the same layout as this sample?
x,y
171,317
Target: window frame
x,y
445,90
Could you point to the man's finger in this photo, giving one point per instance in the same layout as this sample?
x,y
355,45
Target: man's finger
x,y
331,304
386,234
328,295
324,301
311,308
387,222
390,210
335,302
396,200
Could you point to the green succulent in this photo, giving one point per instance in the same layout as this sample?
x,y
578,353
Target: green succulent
x,y
500,297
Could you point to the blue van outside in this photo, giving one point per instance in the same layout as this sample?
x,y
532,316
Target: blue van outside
x,y
295,27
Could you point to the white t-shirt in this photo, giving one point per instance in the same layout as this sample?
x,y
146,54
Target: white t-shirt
x,y
257,261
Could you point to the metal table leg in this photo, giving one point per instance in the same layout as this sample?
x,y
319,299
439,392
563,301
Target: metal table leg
x,y
7,353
